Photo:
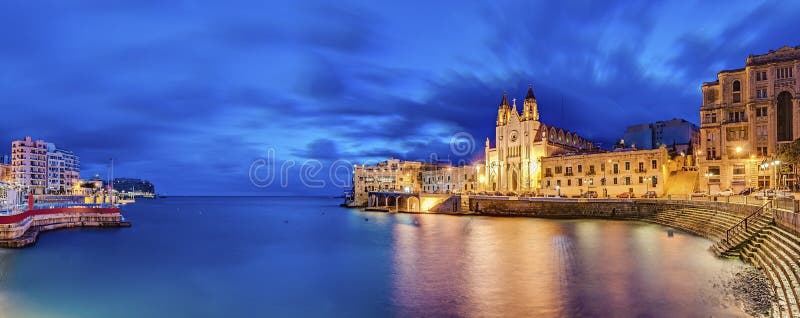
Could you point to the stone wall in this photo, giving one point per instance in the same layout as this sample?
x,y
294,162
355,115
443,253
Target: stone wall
x,y
788,221
623,209
58,220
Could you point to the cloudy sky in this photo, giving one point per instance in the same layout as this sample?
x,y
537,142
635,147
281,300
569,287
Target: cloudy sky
x,y
194,94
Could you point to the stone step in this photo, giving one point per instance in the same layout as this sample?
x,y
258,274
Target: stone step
x,y
777,284
777,289
787,280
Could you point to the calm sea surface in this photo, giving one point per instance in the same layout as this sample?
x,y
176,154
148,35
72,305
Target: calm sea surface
x,y
307,257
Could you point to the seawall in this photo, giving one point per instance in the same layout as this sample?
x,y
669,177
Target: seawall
x,y
23,229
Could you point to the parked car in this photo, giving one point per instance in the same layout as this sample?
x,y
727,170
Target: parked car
x,y
772,194
650,195
746,191
699,194
625,195
783,195
589,194
724,193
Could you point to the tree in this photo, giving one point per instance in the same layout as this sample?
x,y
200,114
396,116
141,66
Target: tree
x,y
789,155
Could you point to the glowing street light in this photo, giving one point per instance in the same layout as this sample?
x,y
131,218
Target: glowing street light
x,y
708,176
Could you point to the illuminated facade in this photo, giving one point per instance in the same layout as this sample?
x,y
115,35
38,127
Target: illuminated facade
x,y
29,163
607,173
40,167
746,113
454,180
521,140
392,175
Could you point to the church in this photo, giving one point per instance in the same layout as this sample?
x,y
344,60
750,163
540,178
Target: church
x,y
521,140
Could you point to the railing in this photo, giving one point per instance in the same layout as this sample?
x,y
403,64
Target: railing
x,y
744,223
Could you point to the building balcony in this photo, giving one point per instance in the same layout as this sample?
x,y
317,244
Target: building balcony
x,y
640,170
734,121
568,174
548,175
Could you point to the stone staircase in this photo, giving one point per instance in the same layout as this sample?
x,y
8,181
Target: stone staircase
x,y
742,232
778,253
705,222
761,243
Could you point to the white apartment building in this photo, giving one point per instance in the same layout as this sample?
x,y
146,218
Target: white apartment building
x,y
29,164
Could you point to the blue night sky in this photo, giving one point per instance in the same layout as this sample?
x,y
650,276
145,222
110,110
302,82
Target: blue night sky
x,y
188,94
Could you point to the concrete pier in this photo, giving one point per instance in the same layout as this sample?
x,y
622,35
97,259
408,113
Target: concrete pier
x,y
23,229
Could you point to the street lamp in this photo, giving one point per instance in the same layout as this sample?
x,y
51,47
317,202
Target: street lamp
x,y
708,176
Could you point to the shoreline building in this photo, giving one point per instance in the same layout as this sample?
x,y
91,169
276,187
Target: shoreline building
x,y
745,115
392,175
43,168
466,179
29,162
607,173
521,140
675,132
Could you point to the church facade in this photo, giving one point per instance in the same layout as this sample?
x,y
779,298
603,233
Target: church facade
x,y
521,141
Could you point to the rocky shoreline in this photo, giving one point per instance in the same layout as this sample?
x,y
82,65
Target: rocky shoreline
x,y
753,291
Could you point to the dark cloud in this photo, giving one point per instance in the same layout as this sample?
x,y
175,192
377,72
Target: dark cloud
x,y
190,95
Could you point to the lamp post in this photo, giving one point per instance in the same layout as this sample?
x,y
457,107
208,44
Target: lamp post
x,y
775,165
708,176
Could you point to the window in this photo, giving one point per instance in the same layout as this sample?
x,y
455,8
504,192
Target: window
x,y
736,116
591,169
548,172
616,169
737,91
569,182
603,167
762,151
738,169
710,118
654,164
711,96
627,180
761,111
737,133
580,182
711,153
761,131
641,179
641,166
558,169
784,72
627,166
568,171
761,93
580,168
615,180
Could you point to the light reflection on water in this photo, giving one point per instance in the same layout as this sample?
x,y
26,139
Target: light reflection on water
x,y
290,257
496,267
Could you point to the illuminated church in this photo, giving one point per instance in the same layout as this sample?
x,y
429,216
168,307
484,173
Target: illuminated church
x,y
521,140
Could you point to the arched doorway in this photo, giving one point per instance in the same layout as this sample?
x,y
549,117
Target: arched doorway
x,y
413,204
784,126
